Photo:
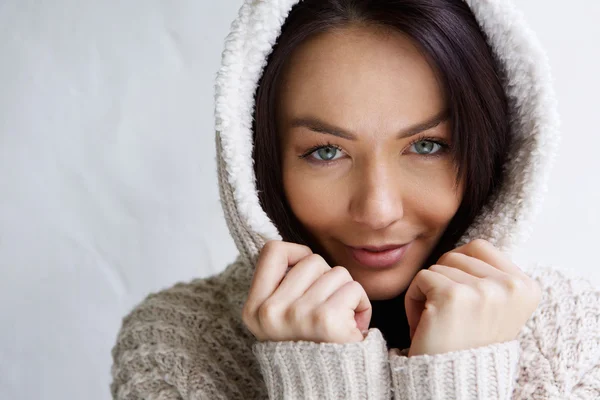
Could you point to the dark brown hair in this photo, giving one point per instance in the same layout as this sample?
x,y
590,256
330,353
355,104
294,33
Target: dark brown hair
x,y
448,34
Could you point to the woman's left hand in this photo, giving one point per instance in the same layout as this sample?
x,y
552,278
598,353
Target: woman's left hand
x,y
473,297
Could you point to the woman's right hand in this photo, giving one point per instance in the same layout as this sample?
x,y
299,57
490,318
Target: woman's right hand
x,y
313,302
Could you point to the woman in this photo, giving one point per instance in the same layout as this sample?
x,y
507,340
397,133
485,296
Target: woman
x,y
378,161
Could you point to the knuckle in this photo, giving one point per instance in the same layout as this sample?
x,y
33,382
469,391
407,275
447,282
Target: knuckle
x,y
316,261
296,313
457,294
436,268
422,273
267,313
447,257
482,286
321,319
355,285
443,258
342,271
315,258
305,248
271,245
514,284
487,291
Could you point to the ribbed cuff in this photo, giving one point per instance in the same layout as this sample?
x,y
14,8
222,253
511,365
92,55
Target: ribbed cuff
x,y
484,373
309,370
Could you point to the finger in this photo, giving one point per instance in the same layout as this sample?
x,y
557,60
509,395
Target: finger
x,y
420,289
470,265
457,275
352,296
272,264
330,282
299,279
487,252
424,283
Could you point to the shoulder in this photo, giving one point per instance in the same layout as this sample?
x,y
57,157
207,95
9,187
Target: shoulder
x,y
559,281
569,310
185,340
569,301
563,331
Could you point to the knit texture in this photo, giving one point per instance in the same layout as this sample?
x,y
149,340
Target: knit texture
x,y
306,370
189,341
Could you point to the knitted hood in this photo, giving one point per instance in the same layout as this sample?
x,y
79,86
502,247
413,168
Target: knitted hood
x,y
505,220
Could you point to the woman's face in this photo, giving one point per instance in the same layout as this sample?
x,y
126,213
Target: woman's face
x,y
363,163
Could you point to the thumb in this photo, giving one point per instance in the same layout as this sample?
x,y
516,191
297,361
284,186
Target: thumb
x,y
415,299
363,319
423,287
414,310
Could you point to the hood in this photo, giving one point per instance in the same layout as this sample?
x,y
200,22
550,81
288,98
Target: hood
x,y
507,217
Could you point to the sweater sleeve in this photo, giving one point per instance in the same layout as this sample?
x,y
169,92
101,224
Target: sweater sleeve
x,y
484,373
308,370
566,334
556,357
138,374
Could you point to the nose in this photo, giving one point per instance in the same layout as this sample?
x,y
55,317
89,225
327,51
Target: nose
x,y
377,199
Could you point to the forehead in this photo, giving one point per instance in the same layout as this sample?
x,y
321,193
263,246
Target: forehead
x,y
353,73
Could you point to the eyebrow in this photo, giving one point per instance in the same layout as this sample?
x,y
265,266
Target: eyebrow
x,y
314,124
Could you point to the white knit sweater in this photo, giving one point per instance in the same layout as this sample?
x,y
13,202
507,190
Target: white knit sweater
x,y
189,341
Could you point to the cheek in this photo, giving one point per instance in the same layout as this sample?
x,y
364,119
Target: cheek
x,y
316,202
435,200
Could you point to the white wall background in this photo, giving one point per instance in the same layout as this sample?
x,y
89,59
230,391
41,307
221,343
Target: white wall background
x,y
107,183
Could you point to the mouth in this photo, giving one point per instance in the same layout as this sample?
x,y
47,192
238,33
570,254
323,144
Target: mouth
x,y
378,256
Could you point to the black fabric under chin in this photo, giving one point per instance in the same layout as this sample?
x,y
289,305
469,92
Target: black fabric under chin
x,y
389,316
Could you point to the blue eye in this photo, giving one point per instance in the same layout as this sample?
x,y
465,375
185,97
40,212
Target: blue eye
x,y
326,153
427,147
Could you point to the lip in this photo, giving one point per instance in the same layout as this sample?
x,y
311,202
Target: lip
x,y
379,248
378,256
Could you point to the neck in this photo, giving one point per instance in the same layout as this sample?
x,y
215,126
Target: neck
x,y
389,316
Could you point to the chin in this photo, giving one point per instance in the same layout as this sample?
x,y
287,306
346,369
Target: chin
x,y
382,286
